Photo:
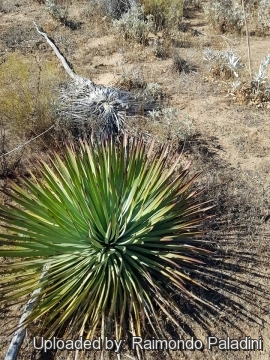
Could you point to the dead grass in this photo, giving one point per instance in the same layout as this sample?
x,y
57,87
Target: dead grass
x,y
228,143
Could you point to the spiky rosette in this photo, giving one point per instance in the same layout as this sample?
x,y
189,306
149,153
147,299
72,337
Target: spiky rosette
x,y
116,229
81,100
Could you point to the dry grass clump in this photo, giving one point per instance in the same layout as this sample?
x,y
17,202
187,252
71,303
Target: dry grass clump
x,y
178,128
166,124
60,12
181,65
161,47
132,78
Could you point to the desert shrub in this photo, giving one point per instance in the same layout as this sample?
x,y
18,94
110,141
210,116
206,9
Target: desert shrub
x,y
264,13
246,89
134,25
132,78
260,78
257,90
59,12
115,8
114,227
225,15
153,90
193,3
224,64
166,13
176,127
27,94
161,47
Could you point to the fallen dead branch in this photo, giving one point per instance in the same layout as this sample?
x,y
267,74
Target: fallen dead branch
x,y
81,99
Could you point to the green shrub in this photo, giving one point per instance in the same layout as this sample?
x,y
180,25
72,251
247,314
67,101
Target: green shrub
x,y
27,94
166,13
115,228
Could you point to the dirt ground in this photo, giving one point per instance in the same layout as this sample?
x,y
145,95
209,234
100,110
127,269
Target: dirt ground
x,y
228,141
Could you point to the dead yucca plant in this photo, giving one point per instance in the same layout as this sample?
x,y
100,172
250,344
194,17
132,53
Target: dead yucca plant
x,y
82,101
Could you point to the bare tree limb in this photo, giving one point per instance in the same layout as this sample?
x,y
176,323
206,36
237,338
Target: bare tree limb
x,y
57,52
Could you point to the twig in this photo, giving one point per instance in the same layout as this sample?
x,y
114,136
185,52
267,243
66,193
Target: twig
x,y
226,39
247,36
27,142
19,335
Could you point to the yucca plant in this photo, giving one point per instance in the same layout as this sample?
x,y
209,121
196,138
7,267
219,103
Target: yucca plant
x,y
116,228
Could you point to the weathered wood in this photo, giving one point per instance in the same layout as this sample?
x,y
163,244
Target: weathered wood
x,y
19,334
58,54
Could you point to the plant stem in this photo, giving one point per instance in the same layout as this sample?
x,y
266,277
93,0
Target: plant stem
x,y
247,36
